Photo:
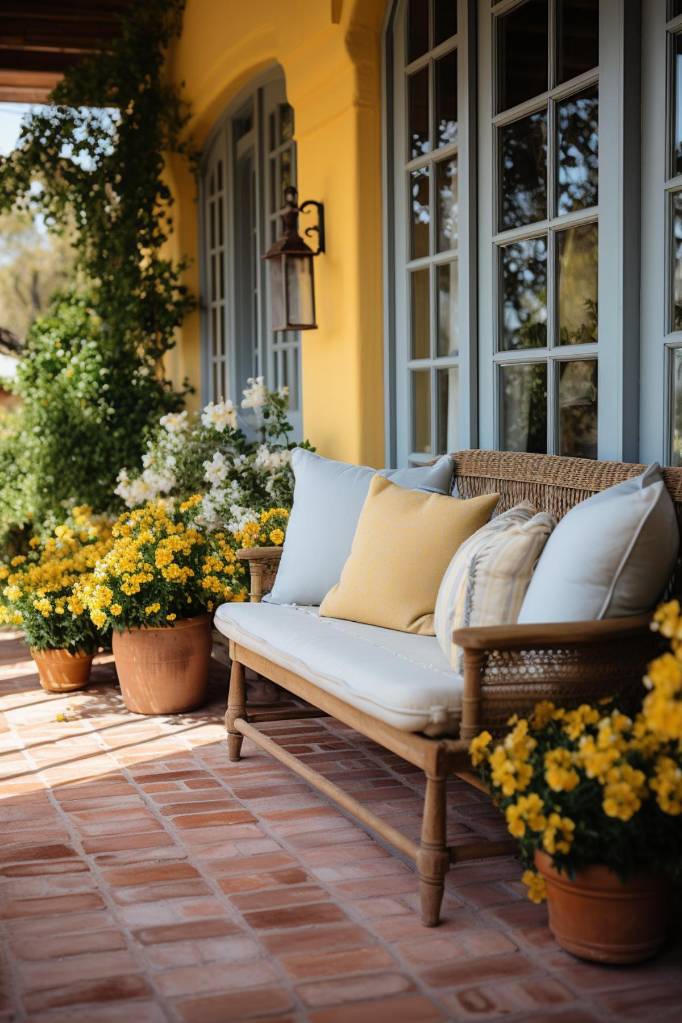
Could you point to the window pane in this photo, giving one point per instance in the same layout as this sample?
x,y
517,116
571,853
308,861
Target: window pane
x,y
677,261
523,146
418,104
420,347
675,8
417,28
522,53
421,410
578,409
523,413
577,268
445,128
286,122
447,381
419,212
444,20
524,294
446,205
677,123
284,171
578,151
577,37
676,412
447,280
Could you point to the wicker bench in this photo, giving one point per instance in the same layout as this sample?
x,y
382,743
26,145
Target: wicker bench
x,y
506,669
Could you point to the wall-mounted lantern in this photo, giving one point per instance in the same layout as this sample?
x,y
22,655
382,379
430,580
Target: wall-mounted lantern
x,y
290,259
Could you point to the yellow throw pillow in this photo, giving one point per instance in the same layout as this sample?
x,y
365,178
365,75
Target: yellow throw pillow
x,y
403,544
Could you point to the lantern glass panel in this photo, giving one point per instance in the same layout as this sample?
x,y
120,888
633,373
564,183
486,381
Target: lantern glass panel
x,y
277,294
299,286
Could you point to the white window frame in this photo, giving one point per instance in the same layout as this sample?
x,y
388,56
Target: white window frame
x,y
397,316
244,345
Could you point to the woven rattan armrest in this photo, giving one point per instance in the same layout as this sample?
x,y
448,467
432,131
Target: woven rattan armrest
x,y
508,668
263,563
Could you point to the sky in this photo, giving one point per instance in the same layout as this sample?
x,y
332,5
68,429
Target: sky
x,y
10,120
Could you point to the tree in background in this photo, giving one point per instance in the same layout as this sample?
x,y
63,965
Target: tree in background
x,y
91,166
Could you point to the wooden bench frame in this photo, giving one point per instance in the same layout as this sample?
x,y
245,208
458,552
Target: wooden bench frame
x,y
506,668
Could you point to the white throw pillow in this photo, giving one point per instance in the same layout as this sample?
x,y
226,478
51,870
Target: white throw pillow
x,y
486,581
610,556
328,499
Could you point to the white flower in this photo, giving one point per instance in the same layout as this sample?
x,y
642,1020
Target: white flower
x,y
174,422
220,415
239,517
255,393
216,470
271,461
146,487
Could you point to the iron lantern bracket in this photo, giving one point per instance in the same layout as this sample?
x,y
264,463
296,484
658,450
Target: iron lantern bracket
x,y
317,228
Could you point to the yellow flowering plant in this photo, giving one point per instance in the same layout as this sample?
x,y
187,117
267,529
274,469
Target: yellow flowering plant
x,y
593,784
262,529
39,589
162,567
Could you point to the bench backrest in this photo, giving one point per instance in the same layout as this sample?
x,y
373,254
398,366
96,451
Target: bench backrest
x,y
552,483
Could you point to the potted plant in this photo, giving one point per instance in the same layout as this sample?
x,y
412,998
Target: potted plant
x,y
156,589
40,597
594,798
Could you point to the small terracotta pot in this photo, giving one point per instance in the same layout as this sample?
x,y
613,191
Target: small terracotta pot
x,y
164,670
62,672
596,916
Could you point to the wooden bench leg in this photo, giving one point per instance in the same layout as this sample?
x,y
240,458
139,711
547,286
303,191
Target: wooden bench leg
x,y
236,708
433,859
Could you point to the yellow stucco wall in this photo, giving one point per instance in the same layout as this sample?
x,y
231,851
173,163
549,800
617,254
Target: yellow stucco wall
x,y
329,51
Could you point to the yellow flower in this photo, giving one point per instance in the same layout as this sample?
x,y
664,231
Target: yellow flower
x,y
115,610
277,537
542,714
535,884
171,617
576,720
18,560
152,609
558,834
527,810
98,618
508,774
478,748
560,774
667,784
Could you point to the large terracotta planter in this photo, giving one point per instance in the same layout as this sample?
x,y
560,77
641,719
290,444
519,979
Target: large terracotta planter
x,y
62,672
164,670
598,917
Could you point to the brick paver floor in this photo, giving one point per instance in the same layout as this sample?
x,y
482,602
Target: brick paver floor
x,y
145,879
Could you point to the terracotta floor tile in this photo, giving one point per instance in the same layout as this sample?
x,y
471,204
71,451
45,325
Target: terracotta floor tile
x,y
167,885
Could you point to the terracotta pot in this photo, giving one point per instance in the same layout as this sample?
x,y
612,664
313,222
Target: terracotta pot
x,y
62,672
598,917
164,670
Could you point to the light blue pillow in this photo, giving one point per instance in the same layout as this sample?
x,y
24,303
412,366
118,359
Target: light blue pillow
x,y
610,556
328,499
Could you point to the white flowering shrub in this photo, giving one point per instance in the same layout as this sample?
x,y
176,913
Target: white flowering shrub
x,y
209,454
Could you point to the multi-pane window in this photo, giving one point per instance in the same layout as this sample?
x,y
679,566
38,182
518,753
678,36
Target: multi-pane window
x,y
545,233
250,160
673,195
427,273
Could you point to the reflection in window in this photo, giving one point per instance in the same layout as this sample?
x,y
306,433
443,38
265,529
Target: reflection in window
x,y
446,209
444,19
418,104
677,125
523,407
445,106
447,279
419,212
578,408
524,294
417,28
421,348
447,384
577,259
578,151
421,410
577,37
523,146
676,409
677,261
522,53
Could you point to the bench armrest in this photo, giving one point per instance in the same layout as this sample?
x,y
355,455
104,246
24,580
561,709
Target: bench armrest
x,y
508,668
549,634
263,563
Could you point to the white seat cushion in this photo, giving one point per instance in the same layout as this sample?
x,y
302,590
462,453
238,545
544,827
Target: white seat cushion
x,y
397,677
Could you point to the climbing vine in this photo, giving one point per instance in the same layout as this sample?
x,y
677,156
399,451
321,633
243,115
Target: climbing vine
x,y
94,159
